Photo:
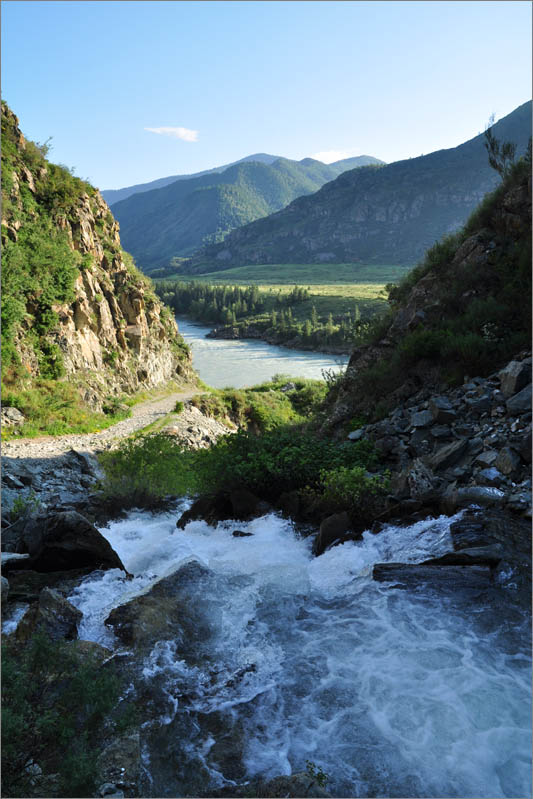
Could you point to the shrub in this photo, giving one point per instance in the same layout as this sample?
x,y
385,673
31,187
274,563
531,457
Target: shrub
x,y
54,705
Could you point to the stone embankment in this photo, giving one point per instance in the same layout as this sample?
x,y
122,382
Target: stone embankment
x,y
470,445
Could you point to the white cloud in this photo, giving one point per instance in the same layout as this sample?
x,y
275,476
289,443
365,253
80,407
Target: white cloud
x,y
176,133
329,156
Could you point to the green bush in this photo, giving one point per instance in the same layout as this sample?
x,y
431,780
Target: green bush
x,y
142,471
352,487
54,705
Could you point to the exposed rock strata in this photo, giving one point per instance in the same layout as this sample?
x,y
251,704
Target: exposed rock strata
x,y
115,336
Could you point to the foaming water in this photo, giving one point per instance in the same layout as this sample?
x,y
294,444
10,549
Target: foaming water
x,y
391,692
245,362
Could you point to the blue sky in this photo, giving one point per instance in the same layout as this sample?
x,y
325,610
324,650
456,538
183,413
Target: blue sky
x,y
215,81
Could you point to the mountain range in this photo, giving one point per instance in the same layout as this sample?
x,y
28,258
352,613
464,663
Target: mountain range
x,y
389,215
177,219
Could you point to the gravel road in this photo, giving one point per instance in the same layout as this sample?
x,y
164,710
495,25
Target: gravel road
x,y
143,414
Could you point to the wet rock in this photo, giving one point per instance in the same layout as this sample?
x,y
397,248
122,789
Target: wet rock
x,y
331,529
165,611
64,541
119,766
508,462
521,402
53,614
448,455
26,585
442,410
5,589
457,579
241,534
515,377
486,496
212,509
9,558
245,505
289,503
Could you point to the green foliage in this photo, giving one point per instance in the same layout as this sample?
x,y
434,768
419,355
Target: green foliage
x,y
267,405
55,408
54,705
351,487
501,153
179,406
24,505
316,773
142,471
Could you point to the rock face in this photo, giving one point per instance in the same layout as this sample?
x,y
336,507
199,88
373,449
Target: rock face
x,y
60,541
114,335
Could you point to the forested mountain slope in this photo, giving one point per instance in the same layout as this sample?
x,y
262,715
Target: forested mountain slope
x,y
177,219
389,215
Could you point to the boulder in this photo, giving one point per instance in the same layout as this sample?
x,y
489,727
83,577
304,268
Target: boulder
x,y
165,611
12,417
421,419
486,496
245,505
421,481
490,477
486,458
448,455
515,377
5,589
456,579
521,402
210,508
331,529
508,461
442,410
63,541
356,435
53,614
241,534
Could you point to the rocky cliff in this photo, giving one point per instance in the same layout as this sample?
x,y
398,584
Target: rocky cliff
x,y
75,306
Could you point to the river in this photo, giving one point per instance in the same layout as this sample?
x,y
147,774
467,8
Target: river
x,y
243,362
392,693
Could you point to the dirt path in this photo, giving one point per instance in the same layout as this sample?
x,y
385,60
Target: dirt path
x,y
143,414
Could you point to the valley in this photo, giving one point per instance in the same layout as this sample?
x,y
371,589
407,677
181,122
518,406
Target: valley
x,y
266,527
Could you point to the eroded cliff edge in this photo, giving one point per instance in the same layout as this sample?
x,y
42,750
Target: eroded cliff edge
x,y
75,307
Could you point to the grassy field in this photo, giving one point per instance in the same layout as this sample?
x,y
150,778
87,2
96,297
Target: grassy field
x,y
302,274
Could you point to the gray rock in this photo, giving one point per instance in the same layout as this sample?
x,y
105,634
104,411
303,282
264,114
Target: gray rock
x,y
12,416
457,579
487,457
62,541
515,377
442,410
440,431
331,529
356,435
489,477
54,614
479,405
5,589
12,482
520,402
508,461
421,481
479,495
448,455
421,419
